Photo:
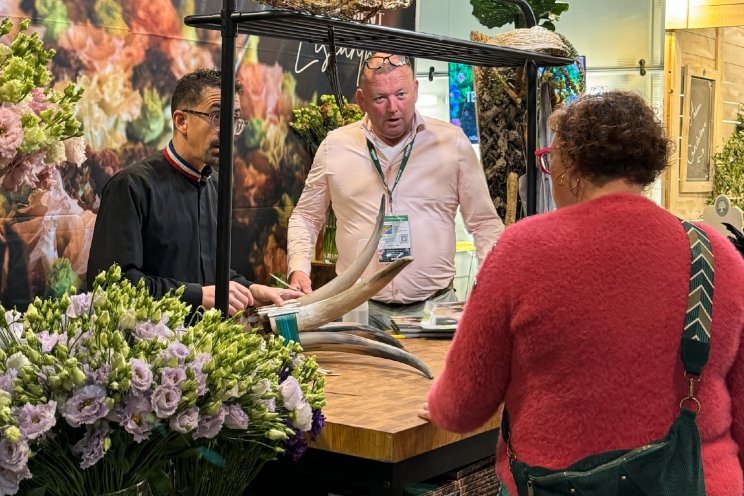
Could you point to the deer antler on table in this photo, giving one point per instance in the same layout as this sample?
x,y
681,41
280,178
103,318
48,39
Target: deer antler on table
x,y
309,318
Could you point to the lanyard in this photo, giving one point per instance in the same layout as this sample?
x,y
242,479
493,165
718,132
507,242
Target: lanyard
x,y
376,161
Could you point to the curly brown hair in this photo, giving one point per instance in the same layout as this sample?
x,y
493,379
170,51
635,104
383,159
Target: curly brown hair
x,y
612,135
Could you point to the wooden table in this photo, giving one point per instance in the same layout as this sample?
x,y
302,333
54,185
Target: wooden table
x,y
374,443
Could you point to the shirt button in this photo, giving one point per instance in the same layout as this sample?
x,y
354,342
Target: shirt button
x,y
396,292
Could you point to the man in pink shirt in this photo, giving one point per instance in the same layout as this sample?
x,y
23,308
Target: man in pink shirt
x,y
424,167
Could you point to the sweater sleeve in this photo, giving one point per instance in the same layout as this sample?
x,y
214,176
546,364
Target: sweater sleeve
x,y
117,238
476,373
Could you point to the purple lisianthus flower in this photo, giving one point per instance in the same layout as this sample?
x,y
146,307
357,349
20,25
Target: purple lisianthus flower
x,y
92,447
48,341
141,375
201,360
35,420
210,426
11,479
172,377
13,456
165,400
185,421
7,381
236,418
318,424
136,417
79,305
197,365
148,330
291,393
296,445
86,405
99,375
12,134
176,350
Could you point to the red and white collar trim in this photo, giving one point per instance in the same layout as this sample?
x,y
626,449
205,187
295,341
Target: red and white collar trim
x,y
178,163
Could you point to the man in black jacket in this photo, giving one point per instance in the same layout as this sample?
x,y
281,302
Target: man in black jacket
x,y
158,217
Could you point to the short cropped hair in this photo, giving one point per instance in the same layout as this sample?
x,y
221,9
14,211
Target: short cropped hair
x,y
612,135
188,90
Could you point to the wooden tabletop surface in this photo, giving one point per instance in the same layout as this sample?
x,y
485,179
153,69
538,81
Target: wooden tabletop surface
x,y
372,404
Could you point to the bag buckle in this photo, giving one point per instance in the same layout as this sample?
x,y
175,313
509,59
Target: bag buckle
x,y
692,403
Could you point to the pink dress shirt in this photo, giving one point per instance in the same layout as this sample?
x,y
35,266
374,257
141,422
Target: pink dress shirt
x,y
442,173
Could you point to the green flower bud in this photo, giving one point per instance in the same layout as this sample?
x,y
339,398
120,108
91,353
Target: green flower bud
x,y
276,435
212,408
13,434
78,377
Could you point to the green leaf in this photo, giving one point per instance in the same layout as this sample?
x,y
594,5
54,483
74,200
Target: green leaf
x,y
38,491
493,14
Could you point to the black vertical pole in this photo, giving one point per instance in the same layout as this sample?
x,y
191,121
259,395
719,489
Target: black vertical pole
x,y
227,110
531,75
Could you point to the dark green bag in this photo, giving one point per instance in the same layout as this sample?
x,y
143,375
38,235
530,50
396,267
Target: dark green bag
x,y
671,466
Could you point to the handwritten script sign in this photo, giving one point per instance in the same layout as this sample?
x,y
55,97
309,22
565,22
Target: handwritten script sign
x,y
699,133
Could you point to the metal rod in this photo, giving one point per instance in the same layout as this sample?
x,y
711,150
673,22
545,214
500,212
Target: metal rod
x,y
224,200
527,13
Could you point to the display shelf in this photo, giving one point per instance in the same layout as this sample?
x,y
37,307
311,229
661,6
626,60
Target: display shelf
x,y
316,29
348,34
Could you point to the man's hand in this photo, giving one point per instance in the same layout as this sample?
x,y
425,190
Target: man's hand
x,y
264,295
300,281
238,297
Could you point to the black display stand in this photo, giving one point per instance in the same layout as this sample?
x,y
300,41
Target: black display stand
x,y
335,32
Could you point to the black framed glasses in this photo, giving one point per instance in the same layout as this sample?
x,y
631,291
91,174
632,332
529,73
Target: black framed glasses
x,y
543,158
376,62
214,120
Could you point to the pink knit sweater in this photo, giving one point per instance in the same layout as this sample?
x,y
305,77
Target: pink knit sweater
x,y
576,322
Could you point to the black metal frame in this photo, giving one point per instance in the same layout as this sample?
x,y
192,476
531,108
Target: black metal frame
x,y
318,29
322,471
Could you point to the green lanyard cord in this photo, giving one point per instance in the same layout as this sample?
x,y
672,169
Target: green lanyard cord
x,y
376,161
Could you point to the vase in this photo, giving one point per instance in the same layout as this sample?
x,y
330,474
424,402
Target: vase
x,y
139,489
330,253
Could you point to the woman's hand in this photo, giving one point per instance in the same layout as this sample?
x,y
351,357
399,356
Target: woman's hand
x,y
424,412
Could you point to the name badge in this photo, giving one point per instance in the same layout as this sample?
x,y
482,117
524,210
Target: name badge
x,y
395,241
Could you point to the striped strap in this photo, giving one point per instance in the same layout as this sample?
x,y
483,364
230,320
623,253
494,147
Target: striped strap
x,y
696,335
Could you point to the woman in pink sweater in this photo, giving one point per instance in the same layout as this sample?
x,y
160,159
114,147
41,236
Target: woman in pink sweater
x,y
577,316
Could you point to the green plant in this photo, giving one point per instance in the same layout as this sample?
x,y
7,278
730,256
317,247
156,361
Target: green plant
x,y
729,175
494,14
314,122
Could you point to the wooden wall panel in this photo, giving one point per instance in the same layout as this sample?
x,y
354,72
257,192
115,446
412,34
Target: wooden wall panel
x,y
706,16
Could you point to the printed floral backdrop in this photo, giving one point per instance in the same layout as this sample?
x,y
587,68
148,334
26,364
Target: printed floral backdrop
x,y
127,56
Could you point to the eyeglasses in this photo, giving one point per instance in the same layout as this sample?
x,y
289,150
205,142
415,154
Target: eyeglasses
x,y
376,62
543,158
214,120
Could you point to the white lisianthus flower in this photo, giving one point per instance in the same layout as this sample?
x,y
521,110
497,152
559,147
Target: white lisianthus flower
x,y
17,361
291,393
303,416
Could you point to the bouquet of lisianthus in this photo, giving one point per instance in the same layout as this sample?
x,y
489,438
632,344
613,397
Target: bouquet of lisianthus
x,y
39,127
312,123
103,390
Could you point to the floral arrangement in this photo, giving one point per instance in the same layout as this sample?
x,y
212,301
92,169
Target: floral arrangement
x,y
38,123
312,123
103,390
